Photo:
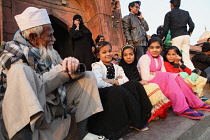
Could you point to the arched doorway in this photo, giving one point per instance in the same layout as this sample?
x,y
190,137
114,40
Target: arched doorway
x,y
62,43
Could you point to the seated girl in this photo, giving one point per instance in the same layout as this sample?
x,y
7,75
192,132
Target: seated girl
x,y
173,63
151,68
125,102
159,101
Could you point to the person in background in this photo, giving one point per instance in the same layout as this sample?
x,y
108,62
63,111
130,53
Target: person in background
x,y
173,63
42,88
167,39
99,38
201,60
116,59
159,101
208,40
135,28
151,68
82,42
176,21
125,102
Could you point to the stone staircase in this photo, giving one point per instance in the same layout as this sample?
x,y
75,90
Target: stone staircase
x,y
175,127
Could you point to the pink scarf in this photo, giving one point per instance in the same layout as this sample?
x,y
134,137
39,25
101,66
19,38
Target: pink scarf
x,y
153,64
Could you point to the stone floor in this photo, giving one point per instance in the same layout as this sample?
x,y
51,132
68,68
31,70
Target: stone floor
x,y
171,128
175,127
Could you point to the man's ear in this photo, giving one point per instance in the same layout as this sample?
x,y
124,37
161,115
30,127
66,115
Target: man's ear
x,y
33,38
130,8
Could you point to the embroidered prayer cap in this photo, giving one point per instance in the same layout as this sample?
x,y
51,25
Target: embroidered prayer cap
x,y
32,17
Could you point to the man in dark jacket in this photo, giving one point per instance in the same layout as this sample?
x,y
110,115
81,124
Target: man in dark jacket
x,y
176,21
135,27
201,60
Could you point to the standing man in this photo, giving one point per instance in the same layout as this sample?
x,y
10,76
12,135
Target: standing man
x,y
176,21
135,27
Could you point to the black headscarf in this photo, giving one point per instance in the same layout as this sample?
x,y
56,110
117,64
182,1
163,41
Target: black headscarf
x,y
130,70
82,26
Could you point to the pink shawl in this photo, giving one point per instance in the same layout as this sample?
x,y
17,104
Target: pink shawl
x,y
153,67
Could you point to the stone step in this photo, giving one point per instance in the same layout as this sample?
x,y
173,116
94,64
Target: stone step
x,y
175,127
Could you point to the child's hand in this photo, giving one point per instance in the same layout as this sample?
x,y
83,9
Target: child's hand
x,y
119,77
110,81
144,82
153,73
177,59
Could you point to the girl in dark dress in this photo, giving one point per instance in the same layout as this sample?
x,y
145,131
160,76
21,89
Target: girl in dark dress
x,y
125,103
82,42
159,101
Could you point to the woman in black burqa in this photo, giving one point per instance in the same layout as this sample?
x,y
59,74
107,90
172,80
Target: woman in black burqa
x,y
81,42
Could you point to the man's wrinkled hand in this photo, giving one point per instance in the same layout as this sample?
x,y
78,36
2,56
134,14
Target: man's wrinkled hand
x,y
70,65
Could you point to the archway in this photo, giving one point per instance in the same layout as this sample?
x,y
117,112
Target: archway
x,y
62,43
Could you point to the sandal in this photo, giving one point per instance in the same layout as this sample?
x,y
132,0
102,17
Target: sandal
x,y
203,98
145,128
207,102
91,136
189,113
205,107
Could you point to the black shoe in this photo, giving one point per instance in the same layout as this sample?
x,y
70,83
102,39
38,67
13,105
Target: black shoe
x,y
197,71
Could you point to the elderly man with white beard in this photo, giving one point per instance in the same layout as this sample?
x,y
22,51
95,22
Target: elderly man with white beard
x,y
40,87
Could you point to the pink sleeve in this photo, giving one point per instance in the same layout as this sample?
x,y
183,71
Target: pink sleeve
x,y
144,68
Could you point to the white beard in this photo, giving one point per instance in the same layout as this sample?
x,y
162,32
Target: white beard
x,y
49,55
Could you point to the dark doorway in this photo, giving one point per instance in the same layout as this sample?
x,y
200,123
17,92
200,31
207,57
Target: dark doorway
x,y
62,43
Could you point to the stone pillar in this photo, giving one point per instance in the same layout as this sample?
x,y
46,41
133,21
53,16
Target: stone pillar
x,y
1,22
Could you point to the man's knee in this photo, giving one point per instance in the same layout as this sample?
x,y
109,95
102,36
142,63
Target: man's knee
x,y
89,75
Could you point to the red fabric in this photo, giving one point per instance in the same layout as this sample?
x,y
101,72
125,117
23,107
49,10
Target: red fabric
x,y
161,112
170,68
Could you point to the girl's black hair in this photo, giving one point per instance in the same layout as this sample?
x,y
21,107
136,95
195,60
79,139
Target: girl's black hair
x,y
100,45
127,47
132,4
98,38
172,48
155,39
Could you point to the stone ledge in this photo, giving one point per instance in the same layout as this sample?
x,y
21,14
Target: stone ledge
x,y
175,127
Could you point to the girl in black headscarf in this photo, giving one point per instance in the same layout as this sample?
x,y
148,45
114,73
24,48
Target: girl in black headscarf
x,y
159,101
130,69
82,42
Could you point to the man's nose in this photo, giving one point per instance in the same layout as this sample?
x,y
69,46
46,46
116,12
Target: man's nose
x,y
53,38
